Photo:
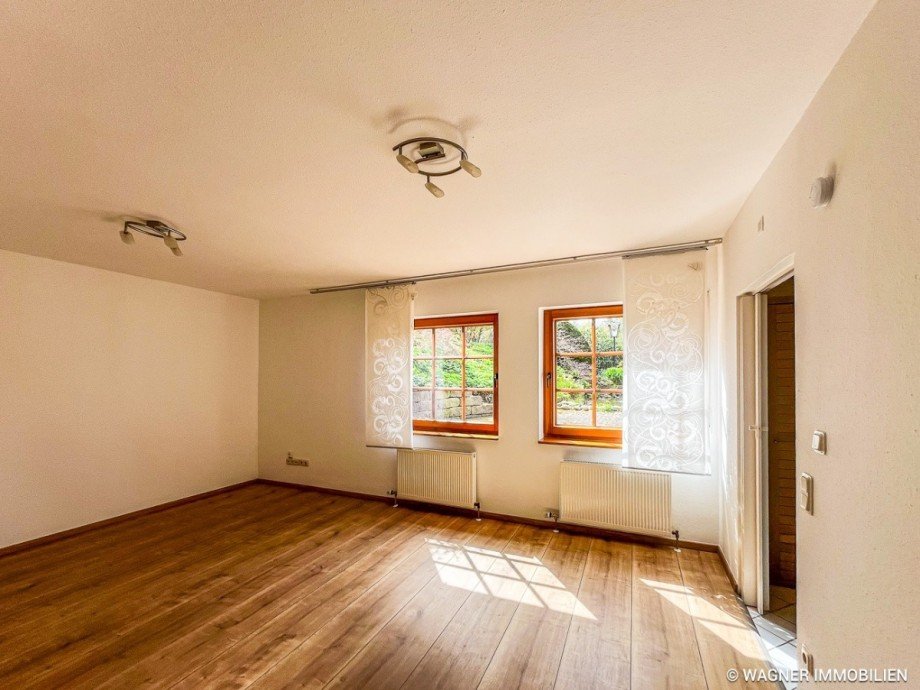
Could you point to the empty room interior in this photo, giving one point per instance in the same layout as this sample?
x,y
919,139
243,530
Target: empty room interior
x,y
564,344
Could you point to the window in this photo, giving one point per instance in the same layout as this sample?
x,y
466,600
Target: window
x,y
455,374
583,375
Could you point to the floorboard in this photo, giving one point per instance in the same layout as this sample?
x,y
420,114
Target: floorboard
x,y
268,586
597,648
529,653
464,649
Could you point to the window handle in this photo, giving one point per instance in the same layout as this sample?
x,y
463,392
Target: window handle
x,y
549,379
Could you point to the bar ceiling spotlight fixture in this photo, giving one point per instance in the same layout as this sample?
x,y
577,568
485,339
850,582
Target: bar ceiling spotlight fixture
x,y
426,156
155,228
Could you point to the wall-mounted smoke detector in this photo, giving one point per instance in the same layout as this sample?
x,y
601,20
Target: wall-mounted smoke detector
x,y
155,228
821,191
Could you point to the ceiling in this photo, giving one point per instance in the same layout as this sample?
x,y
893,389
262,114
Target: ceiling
x,y
263,130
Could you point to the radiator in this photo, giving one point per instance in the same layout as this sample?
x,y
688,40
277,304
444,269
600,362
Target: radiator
x,y
437,476
607,496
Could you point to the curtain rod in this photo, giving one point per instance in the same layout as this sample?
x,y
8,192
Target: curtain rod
x,y
645,251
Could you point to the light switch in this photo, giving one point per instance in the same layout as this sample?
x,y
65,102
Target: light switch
x,y
819,442
806,493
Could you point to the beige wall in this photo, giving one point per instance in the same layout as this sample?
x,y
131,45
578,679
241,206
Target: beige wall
x,y
311,393
117,393
857,276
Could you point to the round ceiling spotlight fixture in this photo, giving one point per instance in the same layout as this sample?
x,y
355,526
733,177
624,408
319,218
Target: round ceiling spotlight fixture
x,y
434,150
155,228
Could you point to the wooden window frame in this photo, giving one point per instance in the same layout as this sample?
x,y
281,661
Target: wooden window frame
x,y
568,435
433,426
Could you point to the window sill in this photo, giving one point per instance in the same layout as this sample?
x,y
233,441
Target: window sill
x,y
557,441
457,434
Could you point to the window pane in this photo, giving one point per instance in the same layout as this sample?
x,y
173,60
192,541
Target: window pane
x,y
573,335
479,407
573,409
448,342
610,410
610,372
447,406
421,373
573,372
609,334
453,372
422,342
479,373
447,373
479,341
421,404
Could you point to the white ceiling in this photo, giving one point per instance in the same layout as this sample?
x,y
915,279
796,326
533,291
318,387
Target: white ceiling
x,y
264,130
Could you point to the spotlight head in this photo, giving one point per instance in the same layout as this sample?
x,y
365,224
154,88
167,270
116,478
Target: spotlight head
x,y
470,168
176,251
407,163
126,236
171,242
434,189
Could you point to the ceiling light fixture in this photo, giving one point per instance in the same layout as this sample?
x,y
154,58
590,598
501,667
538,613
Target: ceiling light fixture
x,y
173,245
434,189
470,168
430,150
407,163
155,228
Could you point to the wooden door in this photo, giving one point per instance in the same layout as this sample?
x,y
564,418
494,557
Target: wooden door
x,y
781,434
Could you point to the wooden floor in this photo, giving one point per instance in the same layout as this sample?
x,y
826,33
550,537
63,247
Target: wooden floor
x,y
272,587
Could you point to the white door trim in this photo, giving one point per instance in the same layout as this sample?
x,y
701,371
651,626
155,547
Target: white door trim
x,y
779,272
761,451
752,426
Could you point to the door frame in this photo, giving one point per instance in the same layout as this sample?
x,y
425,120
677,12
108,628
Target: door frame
x,y
752,428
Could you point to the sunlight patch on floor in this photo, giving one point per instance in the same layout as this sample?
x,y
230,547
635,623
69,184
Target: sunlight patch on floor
x,y
730,629
505,576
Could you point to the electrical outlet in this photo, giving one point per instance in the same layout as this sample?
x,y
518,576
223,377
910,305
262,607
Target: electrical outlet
x,y
806,660
551,513
302,462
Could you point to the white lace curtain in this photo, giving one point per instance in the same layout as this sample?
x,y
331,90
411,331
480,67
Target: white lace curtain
x,y
665,314
388,366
